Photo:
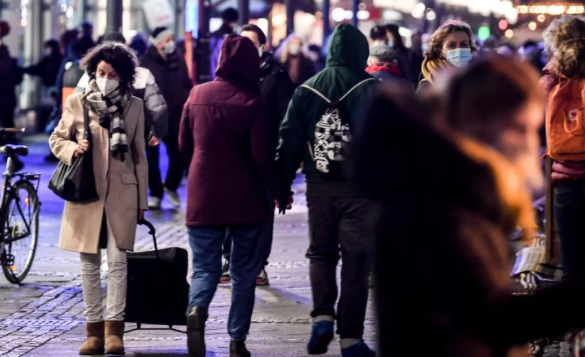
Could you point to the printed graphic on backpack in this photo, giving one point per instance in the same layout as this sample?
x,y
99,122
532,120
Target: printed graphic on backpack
x,y
332,133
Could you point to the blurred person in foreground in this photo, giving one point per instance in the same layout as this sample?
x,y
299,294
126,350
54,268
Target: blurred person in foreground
x,y
383,66
378,36
298,65
172,77
445,208
225,137
276,89
451,46
336,214
566,146
145,89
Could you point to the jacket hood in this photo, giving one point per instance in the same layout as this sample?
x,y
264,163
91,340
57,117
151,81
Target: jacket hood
x,y
348,48
239,59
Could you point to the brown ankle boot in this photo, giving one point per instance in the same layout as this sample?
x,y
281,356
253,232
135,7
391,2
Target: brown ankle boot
x,y
94,344
196,331
114,337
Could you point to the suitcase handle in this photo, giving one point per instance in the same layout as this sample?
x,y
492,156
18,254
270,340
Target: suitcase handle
x,y
152,232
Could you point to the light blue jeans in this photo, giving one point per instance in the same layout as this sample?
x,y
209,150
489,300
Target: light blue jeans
x,y
246,262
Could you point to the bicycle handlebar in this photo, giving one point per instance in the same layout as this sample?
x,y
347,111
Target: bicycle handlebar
x,y
12,131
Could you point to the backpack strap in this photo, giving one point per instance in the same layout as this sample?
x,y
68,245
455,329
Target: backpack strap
x,y
342,98
355,87
317,92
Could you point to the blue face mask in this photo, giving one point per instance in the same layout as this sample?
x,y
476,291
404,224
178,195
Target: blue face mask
x,y
459,57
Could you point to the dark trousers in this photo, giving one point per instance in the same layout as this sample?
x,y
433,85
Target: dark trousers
x,y
266,236
175,170
569,211
338,228
246,263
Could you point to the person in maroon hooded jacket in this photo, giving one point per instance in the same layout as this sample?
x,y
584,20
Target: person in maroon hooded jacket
x,y
224,136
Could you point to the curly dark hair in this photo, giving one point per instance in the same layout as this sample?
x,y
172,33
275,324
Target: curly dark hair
x,y
450,26
118,55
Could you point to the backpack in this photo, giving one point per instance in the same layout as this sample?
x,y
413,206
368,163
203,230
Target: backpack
x,y
332,133
565,127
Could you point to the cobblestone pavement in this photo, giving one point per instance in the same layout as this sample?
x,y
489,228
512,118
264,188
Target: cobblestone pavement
x,y
44,316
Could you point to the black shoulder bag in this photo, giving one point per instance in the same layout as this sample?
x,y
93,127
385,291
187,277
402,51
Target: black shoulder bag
x,y
76,183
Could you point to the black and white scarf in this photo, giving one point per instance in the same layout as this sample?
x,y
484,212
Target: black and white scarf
x,y
110,111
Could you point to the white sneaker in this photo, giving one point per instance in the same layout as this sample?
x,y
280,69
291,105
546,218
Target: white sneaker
x,y
174,198
154,203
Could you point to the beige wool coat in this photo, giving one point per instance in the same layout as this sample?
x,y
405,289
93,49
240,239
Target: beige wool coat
x,y
121,186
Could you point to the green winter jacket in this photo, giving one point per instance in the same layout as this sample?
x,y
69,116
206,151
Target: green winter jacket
x,y
346,63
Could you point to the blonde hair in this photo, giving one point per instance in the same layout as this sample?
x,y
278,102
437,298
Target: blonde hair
x,y
437,39
565,41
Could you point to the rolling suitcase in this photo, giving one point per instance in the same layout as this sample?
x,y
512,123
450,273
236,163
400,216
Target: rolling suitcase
x,y
158,292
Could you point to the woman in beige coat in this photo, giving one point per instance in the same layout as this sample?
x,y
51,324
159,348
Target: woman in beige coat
x,y
121,174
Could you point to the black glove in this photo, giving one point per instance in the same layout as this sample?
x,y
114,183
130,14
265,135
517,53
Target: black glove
x,y
283,202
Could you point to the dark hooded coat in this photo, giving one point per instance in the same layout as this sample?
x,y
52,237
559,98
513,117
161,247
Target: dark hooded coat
x,y
225,137
346,64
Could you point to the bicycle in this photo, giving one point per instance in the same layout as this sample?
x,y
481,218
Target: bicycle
x,y
19,214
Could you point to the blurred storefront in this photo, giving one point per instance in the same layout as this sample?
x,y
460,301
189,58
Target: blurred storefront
x,y
33,22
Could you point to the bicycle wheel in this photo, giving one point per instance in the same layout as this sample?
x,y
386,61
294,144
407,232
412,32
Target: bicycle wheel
x,y
20,222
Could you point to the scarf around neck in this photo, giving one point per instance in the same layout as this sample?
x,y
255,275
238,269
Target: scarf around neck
x,y
110,111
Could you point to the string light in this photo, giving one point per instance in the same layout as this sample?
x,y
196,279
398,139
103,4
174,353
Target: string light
x,y
509,33
554,10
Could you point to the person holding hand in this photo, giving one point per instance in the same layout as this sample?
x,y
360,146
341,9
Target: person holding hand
x,y
116,122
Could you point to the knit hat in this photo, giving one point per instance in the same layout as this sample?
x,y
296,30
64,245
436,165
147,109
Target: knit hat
x,y
383,53
159,34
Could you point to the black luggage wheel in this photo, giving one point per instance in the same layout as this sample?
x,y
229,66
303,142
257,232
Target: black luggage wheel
x,y
139,327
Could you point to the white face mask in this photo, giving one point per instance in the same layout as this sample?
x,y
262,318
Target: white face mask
x,y
294,49
459,57
107,86
169,48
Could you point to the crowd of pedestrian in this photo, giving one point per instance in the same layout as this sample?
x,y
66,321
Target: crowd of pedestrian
x,y
428,159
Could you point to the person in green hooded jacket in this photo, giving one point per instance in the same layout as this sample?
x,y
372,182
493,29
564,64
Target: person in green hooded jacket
x,y
337,216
